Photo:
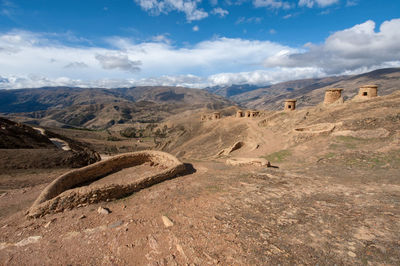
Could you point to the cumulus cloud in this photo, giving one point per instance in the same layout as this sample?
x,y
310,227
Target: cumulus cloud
x,y
30,60
262,77
162,38
274,4
118,61
75,65
220,12
359,47
243,20
320,3
189,7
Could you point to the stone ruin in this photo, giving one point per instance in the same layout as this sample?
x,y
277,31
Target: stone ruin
x,y
367,92
213,116
239,113
333,95
290,105
70,190
248,113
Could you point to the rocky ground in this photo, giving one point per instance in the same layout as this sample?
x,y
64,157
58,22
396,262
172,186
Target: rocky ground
x,y
219,215
331,197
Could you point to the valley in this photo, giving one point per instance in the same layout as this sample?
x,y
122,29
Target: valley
x,y
329,194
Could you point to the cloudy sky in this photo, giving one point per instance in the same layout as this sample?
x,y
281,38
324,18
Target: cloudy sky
x,y
194,43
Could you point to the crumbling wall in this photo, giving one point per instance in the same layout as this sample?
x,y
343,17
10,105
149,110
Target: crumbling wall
x,y
67,192
333,96
213,116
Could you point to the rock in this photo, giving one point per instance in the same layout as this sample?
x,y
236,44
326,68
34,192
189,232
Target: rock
x,y
351,254
116,224
82,217
27,241
167,222
102,210
47,225
248,161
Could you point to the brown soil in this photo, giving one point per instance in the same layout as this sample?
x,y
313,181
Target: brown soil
x,y
333,199
129,174
221,215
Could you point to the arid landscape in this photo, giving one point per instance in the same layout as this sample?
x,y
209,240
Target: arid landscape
x,y
176,176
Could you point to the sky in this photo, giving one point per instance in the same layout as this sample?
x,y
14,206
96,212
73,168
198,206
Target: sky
x,y
192,43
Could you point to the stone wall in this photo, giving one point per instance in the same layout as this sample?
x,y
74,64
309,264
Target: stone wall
x,y
67,191
290,105
367,92
333,95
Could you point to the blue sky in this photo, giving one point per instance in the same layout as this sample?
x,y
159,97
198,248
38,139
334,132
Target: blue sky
x,y
194,43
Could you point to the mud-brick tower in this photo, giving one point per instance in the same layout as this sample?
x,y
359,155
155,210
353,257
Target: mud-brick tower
x,y
216,115
368,91
290,105
254,113
332,95
239,113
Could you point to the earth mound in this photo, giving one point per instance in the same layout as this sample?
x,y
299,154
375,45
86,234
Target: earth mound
x,y
23,147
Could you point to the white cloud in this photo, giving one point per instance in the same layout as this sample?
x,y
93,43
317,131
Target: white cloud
x,y
255,20
195,28
219,11
359,47
118,61
274,4
351,2
162,38
75,65
189,7
320,3
30,60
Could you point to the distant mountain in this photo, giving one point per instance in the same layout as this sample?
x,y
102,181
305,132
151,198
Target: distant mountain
x,y
308,92
229,91
102,108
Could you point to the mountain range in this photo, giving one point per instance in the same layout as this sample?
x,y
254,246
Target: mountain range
x,y
102,108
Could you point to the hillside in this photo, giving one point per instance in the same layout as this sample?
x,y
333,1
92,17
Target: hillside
x,y
310,92
330,196
22,147
102,108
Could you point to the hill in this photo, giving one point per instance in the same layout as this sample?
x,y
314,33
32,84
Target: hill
x,y
310,92
330,197
102,108
22,146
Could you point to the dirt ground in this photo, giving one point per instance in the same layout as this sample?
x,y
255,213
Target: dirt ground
x,y
220,215
331,198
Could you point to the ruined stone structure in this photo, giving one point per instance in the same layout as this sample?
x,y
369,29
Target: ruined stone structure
x,y
239,113
67,191
367,92
216,115
213,116
333,95
248,113
290,105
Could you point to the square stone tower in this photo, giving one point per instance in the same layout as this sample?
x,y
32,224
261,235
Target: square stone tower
x,y
290,105
368,91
